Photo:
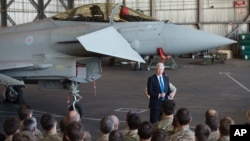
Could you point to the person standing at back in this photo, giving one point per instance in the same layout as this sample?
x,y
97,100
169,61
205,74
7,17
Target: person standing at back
x,y
158,90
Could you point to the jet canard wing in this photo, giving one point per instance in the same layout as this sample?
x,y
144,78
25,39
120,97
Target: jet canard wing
x,y
109,42
14,65
9,65
7,80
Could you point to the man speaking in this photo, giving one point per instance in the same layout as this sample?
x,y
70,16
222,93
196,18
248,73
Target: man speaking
x,y
158,90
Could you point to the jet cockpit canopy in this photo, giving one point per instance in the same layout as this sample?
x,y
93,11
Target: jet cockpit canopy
x,y
103,12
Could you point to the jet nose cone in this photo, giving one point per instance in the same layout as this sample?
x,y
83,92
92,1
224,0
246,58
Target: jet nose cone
x,y
180,39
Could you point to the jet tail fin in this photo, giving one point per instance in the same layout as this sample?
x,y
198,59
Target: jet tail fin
x,y
109,42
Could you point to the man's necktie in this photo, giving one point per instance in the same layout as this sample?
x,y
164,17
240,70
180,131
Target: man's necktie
x,y
162,87
161,84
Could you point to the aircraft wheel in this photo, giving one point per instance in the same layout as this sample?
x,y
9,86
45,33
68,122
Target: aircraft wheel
x,y
13,94
78,109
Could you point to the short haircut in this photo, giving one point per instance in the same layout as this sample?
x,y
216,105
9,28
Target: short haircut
x,y
202,132
159,65
73,116
11,125
183,116
47,121
29,124
116,121
225,125
213,123
106,125
211,113
24,111
168,107
116,135
159,135
75,131
145,130
133,121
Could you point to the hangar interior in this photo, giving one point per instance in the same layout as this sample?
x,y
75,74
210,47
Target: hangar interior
x,y
228,18
196,85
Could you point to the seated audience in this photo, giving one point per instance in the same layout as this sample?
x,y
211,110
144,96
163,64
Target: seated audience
x,y
106,126
25,112
213,123
133,121
49,124
183,119
225,128
145,131
168,108
30,125
11,126
75,132
75,116
202,132
159,135
116,135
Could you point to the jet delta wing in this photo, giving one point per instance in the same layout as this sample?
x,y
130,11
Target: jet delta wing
x,y
65,50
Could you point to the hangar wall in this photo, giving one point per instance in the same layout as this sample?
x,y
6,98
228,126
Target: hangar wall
x,y
223,17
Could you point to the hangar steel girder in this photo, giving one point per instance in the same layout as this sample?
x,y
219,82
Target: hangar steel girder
x,y
4,14
39,6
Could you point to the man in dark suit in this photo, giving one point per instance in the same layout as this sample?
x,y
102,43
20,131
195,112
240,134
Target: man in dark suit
x,y
158,90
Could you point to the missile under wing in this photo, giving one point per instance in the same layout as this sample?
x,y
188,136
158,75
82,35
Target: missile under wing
x,y
65,50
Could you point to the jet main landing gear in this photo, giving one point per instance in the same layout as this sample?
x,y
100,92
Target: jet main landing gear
x,y
13,94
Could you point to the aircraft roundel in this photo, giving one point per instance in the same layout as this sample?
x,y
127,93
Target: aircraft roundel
x,y
29,40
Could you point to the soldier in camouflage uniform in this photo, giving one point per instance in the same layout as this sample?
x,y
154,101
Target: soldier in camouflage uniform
x,y
24,112
168,108
159,135
30,124
106,126
145,131
10,127
75,132
133,122
174,129
225,128
49,124
125,130
183,133
116,135
202,132
213,123
74,116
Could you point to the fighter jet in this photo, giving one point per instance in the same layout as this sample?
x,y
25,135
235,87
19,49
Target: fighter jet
x,y
65,50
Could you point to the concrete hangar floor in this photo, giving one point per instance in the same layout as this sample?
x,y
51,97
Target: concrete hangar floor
x,y
224,87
